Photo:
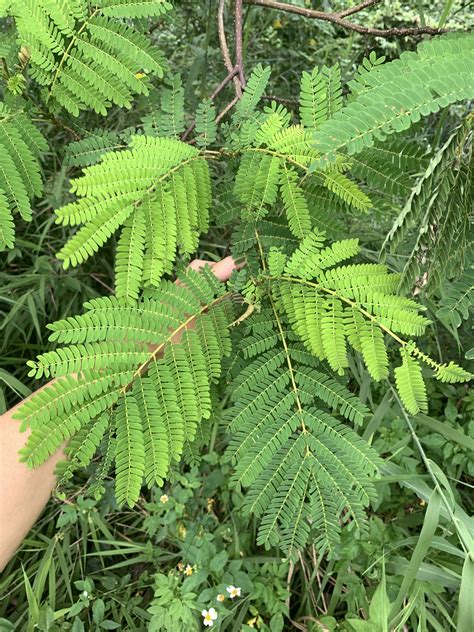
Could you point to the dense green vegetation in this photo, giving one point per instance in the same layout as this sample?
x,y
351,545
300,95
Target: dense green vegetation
x,y
297,460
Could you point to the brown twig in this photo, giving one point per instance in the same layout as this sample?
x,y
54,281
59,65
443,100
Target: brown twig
x,y
224,82
239,62
283,101
50,118
156,25
338,18
224,46
219,89
357,8
228,107
234,72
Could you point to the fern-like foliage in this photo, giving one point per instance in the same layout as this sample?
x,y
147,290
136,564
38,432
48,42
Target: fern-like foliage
x,y
320,96
359,83
410,384
21,147
332,307
171,121
439,206
397,94
125,383
135,8
157,193
89,150
118,372
457,300
166,117
85,54
304,470
133,373
206,127
390,168
245,109
276,155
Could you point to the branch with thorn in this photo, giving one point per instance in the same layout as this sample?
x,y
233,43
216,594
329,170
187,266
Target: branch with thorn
x,y
235,71
339,18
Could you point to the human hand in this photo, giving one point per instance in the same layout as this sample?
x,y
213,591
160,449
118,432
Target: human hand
x,y
222,269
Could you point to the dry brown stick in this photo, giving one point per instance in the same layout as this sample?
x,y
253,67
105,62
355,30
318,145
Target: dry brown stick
x,y
224,82
228,107
234,72
357,8
239,61
154,26
225,48
336,18
283,101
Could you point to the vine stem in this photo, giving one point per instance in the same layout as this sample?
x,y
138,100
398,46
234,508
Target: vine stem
x,y
235,72
227,108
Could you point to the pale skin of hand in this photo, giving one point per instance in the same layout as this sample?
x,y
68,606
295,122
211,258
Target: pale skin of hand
x,y
24,492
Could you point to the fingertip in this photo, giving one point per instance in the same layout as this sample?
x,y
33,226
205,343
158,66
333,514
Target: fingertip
x,y
197,264
224,268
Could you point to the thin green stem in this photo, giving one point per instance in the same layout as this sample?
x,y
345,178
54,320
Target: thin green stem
x,y
66,52
283,340
367,314
448,4
277,154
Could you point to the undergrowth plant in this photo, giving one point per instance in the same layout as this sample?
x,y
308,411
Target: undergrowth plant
x,y
271,354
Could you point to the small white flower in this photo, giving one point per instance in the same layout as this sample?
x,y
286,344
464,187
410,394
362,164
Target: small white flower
x,y
234,591
85,593
220,597
164,498
209,616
